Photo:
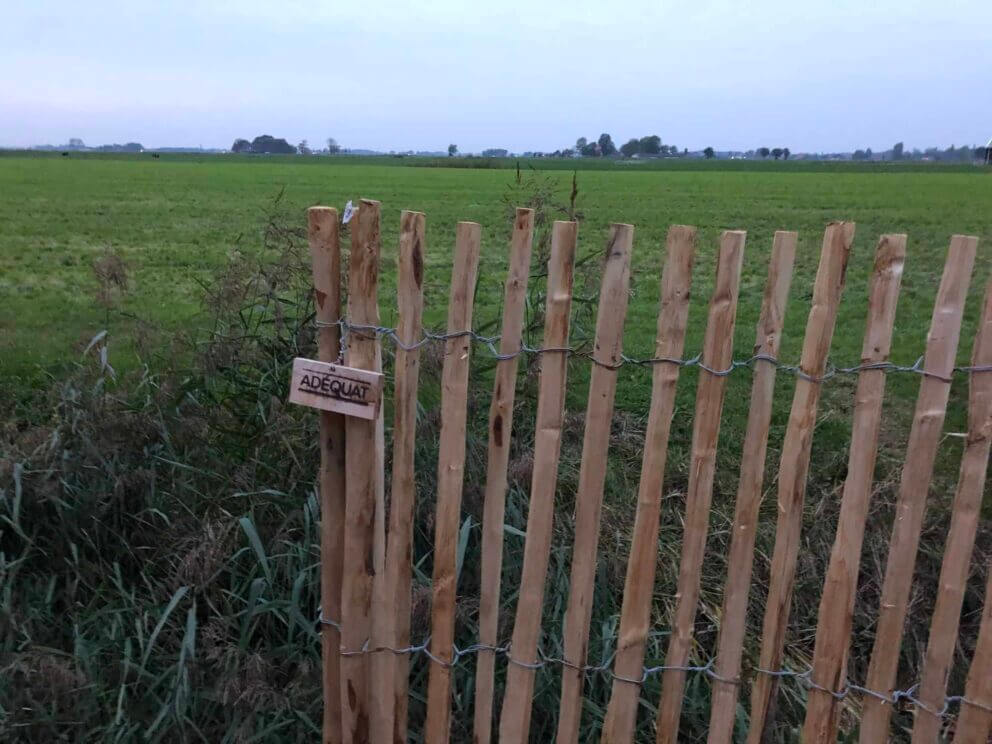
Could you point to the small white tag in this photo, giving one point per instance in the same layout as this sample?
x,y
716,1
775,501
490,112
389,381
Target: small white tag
x,y
349,211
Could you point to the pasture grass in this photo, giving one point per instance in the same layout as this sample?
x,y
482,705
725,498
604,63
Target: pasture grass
x,y
157,544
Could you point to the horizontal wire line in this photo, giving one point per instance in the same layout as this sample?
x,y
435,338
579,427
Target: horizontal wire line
x,y
489,343
804,677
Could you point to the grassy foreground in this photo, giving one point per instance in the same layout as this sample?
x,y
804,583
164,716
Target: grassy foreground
x,y
157,529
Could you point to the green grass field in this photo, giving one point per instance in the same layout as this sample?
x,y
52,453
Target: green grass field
x,y
157,543
175,221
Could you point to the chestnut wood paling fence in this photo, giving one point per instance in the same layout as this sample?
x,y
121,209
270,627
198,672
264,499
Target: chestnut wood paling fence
x,y
366,569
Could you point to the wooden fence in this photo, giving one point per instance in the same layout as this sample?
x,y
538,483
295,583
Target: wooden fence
x,y
366,569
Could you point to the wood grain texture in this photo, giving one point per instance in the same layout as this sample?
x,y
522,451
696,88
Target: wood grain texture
x,y
361,478
515,715
965,515
718,349
621,714
325,254
740,559
410,260
450,478
974,723
794,465
921,453
836,613
607,349
497,459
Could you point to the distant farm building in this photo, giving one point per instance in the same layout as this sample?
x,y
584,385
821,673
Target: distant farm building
x,y
988,153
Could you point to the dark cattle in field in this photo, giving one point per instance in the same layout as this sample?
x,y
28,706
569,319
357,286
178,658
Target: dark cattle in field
x,y
65,154
155,155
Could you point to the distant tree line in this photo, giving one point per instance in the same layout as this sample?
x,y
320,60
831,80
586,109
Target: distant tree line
x,y
603,147
952,154
75,143
266,144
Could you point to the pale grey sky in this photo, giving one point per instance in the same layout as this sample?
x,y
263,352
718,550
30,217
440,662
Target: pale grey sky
x,y
520,74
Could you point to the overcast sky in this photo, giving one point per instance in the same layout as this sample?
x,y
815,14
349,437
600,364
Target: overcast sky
x,y
520,74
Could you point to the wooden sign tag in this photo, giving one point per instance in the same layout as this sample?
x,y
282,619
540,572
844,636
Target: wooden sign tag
x,y
332,387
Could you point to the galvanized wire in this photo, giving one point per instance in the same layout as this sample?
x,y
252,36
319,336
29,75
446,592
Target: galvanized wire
x,y
489,344
605,668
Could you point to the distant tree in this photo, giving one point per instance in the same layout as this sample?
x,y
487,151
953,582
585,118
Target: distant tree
x,y
708,152
868,154
606,146
591,150
304,148
786,153
777,152
763,152
673,151
651,145
333,148
241,145
859,155
897,150
267,144
76,144
497,152
580,144
630,147
452,150
567,152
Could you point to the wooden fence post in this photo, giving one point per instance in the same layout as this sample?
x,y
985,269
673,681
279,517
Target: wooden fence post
x,y
960,537
749,490
621,714
410,261
500,433
833,631
718,349
325,251
515,716
974,722
794,465
607,350
361,479
450,477
921,452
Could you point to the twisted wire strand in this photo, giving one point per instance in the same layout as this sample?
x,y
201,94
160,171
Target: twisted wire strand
x,y
605,668
489,344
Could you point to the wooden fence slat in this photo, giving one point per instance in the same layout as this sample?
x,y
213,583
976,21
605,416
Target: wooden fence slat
x,y
960,537
836,611
607,350
450,477
921,452
621,714
410,261
325,251
515,715
387,602
974,723
794,465
740,558
718,349
382,610
498,457
361,477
